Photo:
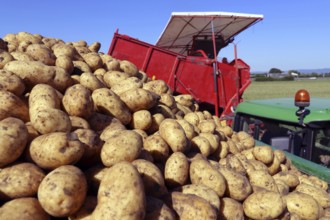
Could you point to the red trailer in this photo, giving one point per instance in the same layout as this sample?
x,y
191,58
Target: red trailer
x,y
185,57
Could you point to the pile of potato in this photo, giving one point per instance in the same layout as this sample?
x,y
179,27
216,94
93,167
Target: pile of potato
x,y
86,136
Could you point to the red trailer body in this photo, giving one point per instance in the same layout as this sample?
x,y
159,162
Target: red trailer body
x,y
185,57
186,74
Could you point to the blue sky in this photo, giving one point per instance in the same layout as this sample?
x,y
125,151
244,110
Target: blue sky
x,y
293,35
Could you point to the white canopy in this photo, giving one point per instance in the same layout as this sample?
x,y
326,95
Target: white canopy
x,y
183,28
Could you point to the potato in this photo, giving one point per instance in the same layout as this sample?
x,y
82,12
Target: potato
x,y
5,57
157,147
234,163
305,206
139,99
93,60
111,78
25,36
93,146
13,139
152,177
42,53
172,132
320,195
264,154
126,145
190,207
20,180
86,210
157,209
11,42
80,67
111,64
188,128
283,189
90,81
202,145
129,68
168,100
213,139
113,125
17,55
185,100
192,118
60,49
63,191
227,130
108,102
121,198
261,178
126,84
65,62
23,208
207,126
176,171
202,191
263,205
50,151
202,172
280,155
288,178
238,186
274,167
32,72
164,110
12,106
141,120
157,86
77,101
11,83
156,120
50,120
222,151
230,209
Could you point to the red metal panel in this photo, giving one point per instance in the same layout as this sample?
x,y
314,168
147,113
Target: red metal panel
x,y
192,75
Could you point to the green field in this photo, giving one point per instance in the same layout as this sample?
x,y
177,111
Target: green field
x,y
278,89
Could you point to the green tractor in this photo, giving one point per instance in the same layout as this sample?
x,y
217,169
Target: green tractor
x,y
299,126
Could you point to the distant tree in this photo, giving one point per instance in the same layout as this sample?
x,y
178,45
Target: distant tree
x,y
275,70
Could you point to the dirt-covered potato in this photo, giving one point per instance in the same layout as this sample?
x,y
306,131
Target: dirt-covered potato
x,y
23,208
172,132
126,84
108,102
202,191
93,60
157,147
77,101
152,177
13,140
5,57
189,206
304,205
11,83
230,209
141,120
90,81
63,191
260,178
264,154
139,99
157,86
156,120
202,172
65,62
111,78
20,180
202,145
125,145
129,68
17,55
288,178
42,53
56,149
176,170
12,106
320,195
86,210
121,198
238,186
264,205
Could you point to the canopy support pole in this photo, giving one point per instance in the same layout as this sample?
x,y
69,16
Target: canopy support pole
x,y
215,71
